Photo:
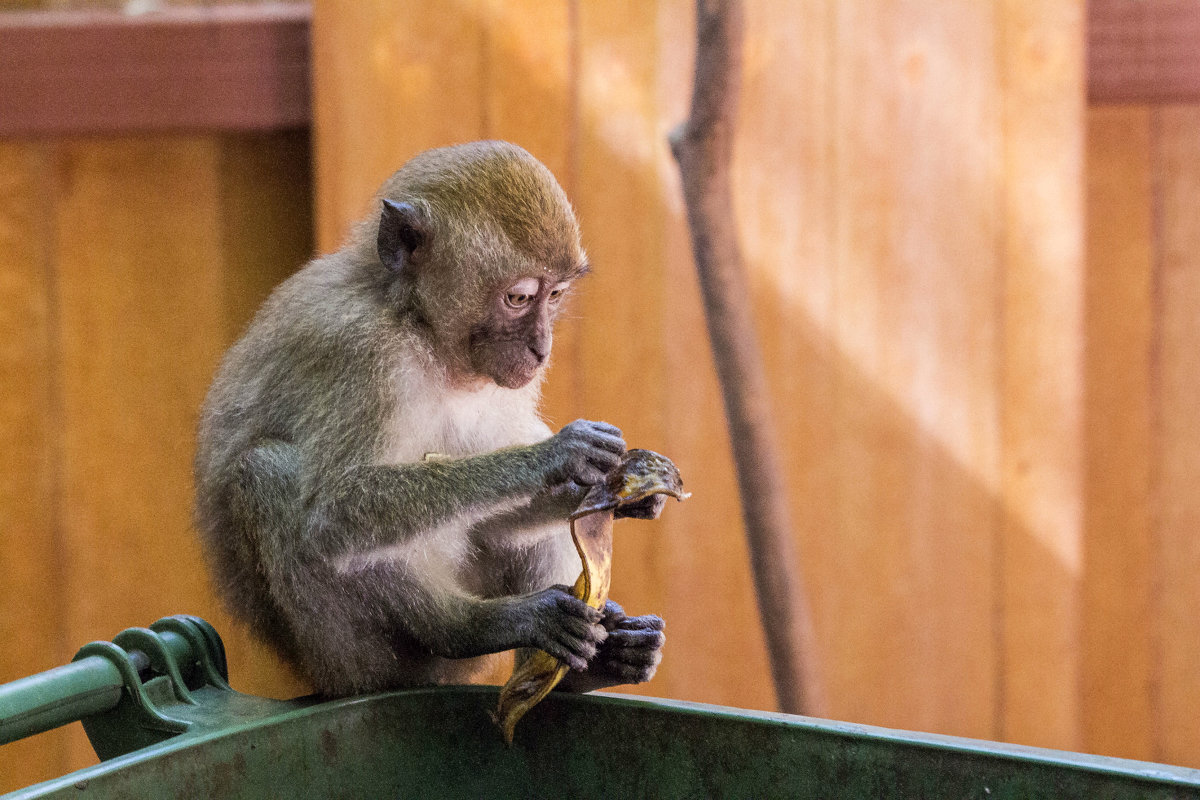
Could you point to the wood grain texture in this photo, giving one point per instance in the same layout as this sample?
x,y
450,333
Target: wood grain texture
x,y
136,353
31,595
784,193
222,67
1143,52
1177,556
915,354
1118,658
1041,381
391,80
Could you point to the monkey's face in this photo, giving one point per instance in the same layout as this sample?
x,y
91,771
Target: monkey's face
x,y
512,343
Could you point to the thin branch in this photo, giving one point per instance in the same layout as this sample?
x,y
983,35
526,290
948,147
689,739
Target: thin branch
x,y
703,147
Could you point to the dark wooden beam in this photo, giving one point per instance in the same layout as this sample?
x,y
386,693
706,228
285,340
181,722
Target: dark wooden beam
x,y
1143,51
201,68
246,67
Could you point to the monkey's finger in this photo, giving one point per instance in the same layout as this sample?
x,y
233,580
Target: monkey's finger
x,y
606,428
603,460
575,653
584,630
635,648
646,622
630,673
567,656
575,607
589,475
613,444
614,615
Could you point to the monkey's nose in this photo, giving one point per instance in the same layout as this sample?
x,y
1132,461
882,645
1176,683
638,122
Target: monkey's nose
x,y
539,353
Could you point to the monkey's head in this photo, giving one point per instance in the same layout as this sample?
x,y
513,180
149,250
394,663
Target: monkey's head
x,y
479,248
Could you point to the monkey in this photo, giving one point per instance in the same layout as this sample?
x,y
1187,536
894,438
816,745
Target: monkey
x,y
378,497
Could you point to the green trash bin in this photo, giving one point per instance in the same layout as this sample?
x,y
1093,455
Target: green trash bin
x,y
158,709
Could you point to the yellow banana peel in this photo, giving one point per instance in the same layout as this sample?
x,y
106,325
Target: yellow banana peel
x,y
640,474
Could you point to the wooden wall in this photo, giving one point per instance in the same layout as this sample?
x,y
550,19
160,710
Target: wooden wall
x,y
127,265
988,435
1141,641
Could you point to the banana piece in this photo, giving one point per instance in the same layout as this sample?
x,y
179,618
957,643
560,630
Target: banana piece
x,y
640,474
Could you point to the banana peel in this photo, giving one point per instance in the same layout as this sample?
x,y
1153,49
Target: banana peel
x,y
640,474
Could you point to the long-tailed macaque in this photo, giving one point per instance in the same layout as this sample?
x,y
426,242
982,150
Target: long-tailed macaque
x,y
331,527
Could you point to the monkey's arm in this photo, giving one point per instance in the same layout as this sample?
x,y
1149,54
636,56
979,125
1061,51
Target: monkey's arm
x,y
426,607
373,505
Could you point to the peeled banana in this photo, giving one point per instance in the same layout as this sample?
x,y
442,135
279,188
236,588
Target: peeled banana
x,y
640,474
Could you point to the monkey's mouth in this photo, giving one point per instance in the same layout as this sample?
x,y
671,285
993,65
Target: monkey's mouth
x,y
517,377
517,370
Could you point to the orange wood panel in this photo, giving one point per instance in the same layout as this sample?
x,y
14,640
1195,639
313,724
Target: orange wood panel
x,y
138,251
1177,634
1118,656
715,636
147,300
1041,318
784,179
390,80
914,336
31,590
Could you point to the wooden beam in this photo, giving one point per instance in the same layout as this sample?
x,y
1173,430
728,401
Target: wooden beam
x,y
212,68
1143,51
247,67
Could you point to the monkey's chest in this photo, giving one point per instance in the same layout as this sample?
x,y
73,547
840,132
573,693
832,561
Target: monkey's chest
x,y
457,424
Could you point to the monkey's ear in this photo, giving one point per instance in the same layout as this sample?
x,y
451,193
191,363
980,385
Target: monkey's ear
x,y
401,231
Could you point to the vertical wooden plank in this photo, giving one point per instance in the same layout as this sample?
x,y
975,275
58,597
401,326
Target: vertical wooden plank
x,y
1042,369
784,179
30,585
1117,658
389,80
914,340
139,292
1177,174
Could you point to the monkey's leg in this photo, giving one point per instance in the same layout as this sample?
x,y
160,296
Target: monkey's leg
x,y
386,626
264,510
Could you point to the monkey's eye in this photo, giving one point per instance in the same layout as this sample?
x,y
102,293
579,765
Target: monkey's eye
x,y
521,293
558,292
518,300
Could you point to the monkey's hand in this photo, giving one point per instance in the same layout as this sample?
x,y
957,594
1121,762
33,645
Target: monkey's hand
x,y
630,654
564,626
583,452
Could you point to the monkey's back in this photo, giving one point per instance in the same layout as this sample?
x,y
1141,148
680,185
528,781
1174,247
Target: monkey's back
x,y
274,422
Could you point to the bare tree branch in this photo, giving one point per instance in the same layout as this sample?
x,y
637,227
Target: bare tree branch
x,y
703,146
